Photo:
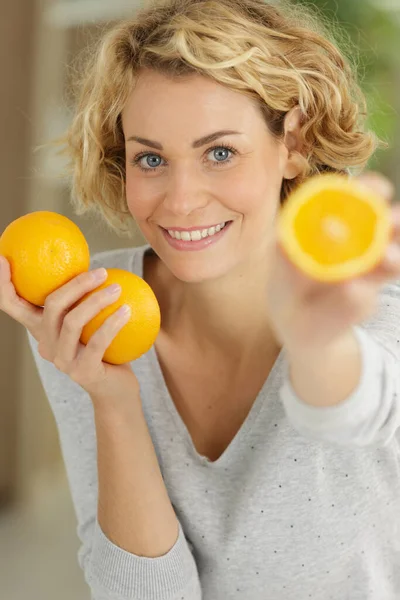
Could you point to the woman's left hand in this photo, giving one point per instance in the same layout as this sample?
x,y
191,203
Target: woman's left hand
x,y
307,314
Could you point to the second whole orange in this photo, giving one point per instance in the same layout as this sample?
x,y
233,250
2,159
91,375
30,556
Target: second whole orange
x,y
140,332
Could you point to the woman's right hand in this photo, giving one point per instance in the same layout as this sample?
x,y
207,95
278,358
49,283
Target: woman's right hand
x,y
58,326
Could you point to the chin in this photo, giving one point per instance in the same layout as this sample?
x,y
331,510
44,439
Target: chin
x,y
199,269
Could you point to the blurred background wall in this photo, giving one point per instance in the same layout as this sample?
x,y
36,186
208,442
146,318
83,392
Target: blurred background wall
x,y
38,40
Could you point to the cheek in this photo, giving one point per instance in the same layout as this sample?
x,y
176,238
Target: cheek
x,y
256,195
140,200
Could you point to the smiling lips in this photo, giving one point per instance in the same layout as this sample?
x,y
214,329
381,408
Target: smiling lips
x,y
195,235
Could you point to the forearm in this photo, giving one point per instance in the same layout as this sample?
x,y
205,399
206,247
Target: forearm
x,y
326,376
134,509
348,395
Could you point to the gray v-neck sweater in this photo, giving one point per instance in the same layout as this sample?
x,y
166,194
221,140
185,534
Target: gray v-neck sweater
x,y
304,503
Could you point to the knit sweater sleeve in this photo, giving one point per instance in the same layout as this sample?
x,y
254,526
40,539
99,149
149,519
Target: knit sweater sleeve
x,y
111,572
370,416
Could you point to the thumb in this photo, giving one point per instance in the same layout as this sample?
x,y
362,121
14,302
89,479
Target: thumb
x,y
17,308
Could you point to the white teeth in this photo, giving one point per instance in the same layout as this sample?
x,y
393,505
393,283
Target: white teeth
x,y
196,235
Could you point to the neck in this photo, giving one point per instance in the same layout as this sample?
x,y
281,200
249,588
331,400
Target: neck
x,y
228,314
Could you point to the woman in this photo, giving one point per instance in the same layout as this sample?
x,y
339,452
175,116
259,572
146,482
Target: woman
x,y
253,452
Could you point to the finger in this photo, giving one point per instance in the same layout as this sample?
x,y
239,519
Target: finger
x,y
378,183
94,351
351,301
60,301
389,267
20,310
396,223
71,330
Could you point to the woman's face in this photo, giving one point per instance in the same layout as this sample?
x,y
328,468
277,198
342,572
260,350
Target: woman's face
x,y
179,184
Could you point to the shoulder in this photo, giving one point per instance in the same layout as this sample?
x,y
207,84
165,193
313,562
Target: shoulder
x,y
129,259
388,309
384,325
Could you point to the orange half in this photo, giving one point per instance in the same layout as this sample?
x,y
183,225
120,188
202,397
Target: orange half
x,y
334,228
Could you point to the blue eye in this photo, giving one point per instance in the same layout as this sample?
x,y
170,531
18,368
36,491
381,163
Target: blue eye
x,y
222,151
153,161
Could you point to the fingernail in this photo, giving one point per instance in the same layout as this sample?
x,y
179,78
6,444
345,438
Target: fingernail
x,y
99,274
125,309
114,288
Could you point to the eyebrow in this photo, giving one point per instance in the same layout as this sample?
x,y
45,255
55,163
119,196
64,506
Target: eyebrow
x,y
196,144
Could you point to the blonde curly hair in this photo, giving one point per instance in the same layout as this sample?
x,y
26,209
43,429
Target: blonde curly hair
x,y
278,53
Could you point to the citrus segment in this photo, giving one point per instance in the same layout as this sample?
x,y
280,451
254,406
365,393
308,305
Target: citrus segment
x,y
139,333
334,228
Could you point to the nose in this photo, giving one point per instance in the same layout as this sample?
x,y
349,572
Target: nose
x,y
185,192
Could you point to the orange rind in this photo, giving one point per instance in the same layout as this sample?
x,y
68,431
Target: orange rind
x,y
334,228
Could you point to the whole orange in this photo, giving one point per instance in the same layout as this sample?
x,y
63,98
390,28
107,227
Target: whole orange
x,y
139,333
45,250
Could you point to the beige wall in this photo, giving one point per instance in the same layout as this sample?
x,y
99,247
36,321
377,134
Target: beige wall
x,y
16,43
33,59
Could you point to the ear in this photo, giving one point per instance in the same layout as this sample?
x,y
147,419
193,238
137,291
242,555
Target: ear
x,y
292,140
